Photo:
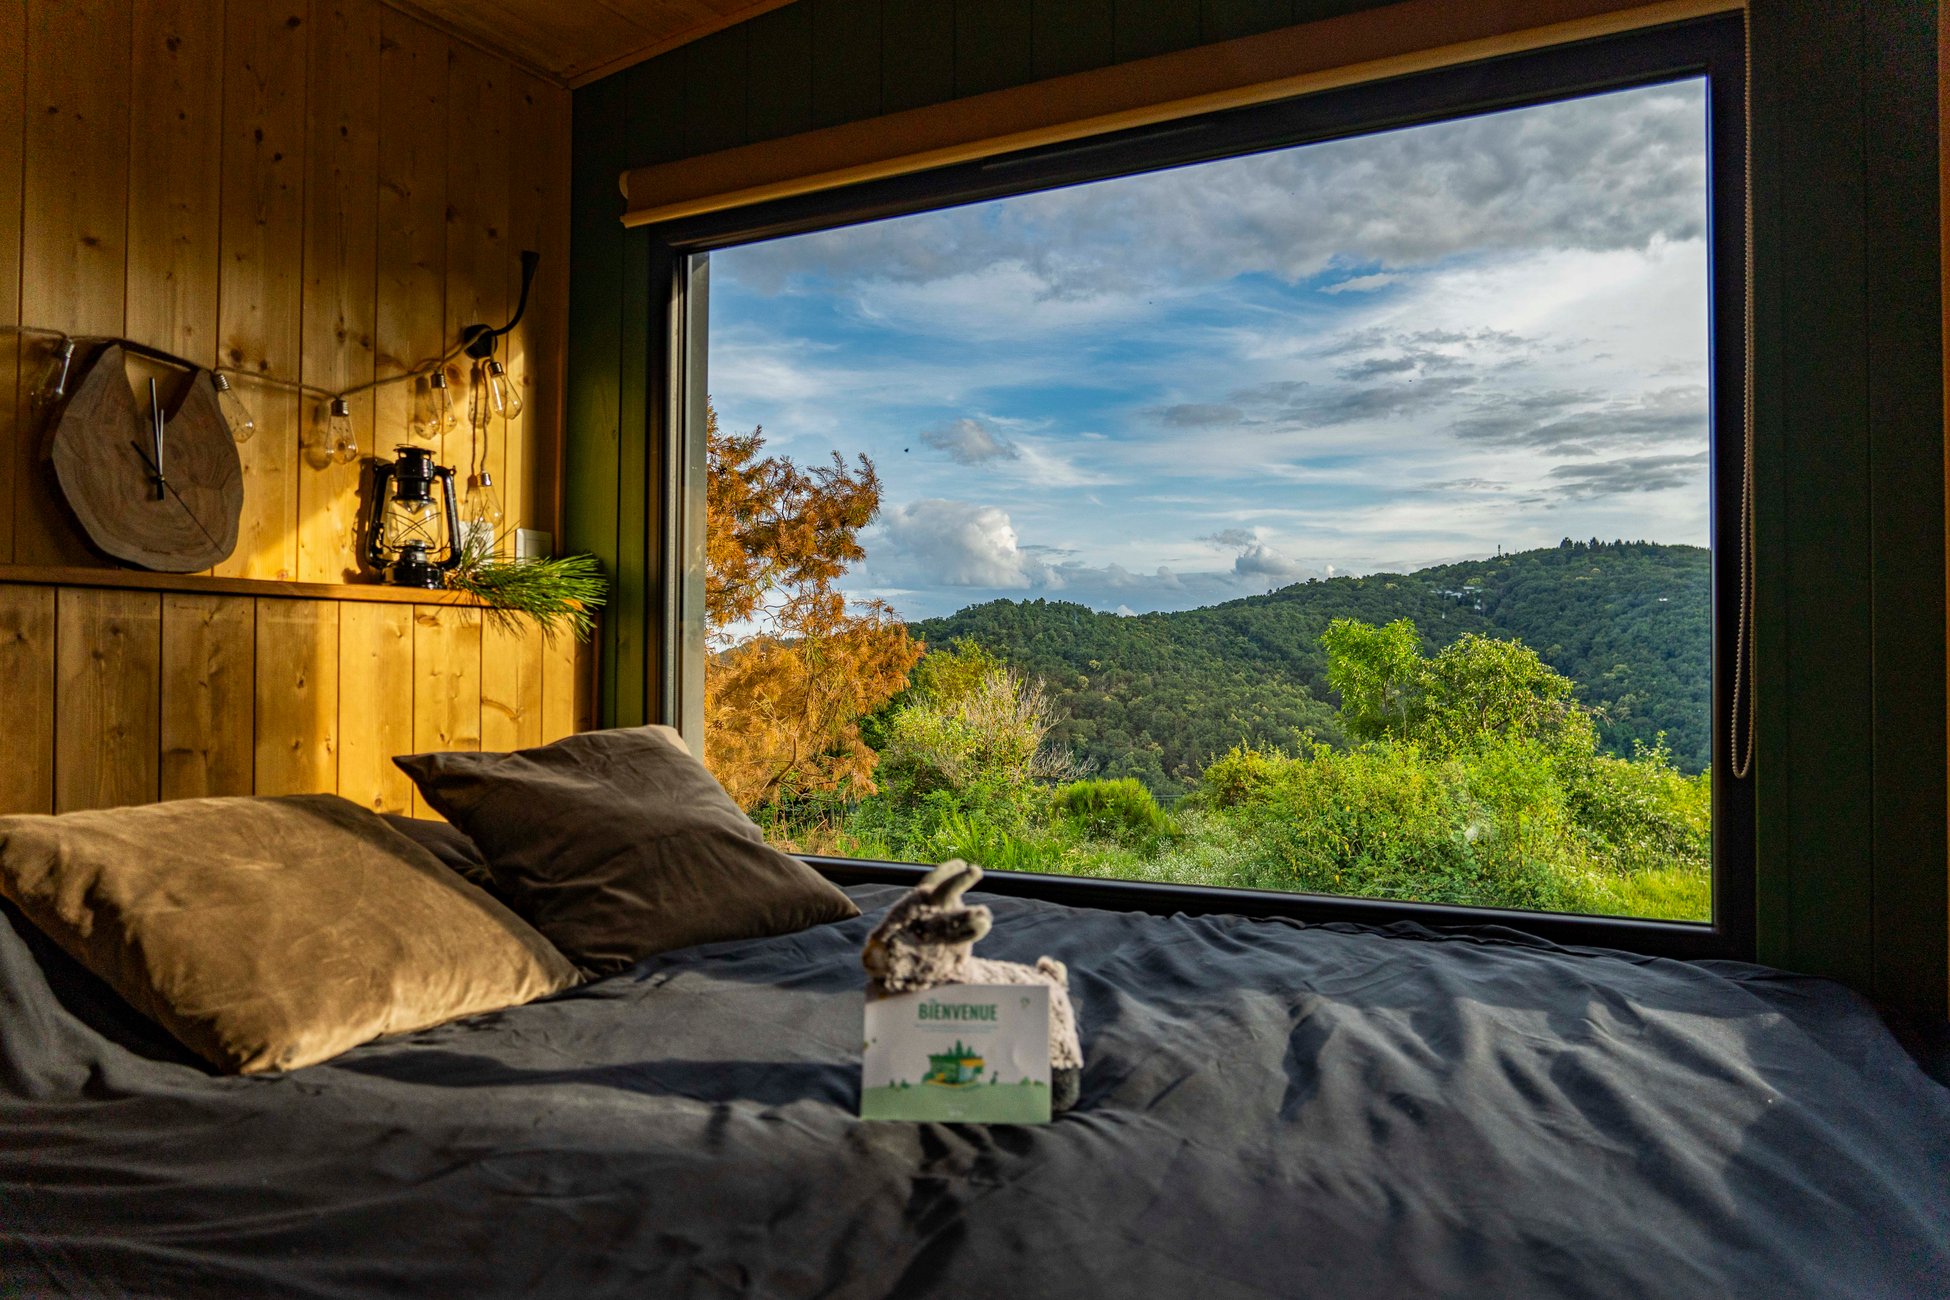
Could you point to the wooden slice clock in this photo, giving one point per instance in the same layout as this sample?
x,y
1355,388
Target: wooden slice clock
x,y
176,516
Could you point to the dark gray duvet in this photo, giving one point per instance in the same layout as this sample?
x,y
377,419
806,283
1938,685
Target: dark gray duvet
x,y
1268,1110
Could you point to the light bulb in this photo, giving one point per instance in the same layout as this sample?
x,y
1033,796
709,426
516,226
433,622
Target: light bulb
x,y
235,414
440,404
481,515
504,395
54,380
341,439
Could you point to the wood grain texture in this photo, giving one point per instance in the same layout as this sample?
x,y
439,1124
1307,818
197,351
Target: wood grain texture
x,y
446,683
337,324
577,43
297,696
209,656
538,198
511,688
27,699
175,176
104,460
263,230
137,695
412,249
13,139
477,249
375,704
74,233
138,197
107,742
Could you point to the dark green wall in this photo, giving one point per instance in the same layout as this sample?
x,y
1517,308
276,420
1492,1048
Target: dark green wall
x,y
1850,472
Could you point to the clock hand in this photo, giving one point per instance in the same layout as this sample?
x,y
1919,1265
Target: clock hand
x,y
156,439
171,488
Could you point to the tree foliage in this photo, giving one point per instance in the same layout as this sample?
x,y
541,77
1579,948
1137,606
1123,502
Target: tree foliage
x,y
1157,696
792,665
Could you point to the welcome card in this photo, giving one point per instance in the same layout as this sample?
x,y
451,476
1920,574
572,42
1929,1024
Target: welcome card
x,y
977,1053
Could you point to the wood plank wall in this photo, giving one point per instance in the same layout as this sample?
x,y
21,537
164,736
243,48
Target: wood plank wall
x,y
119,696
326,190
320,189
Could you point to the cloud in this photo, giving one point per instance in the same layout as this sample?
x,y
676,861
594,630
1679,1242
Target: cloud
x,y
954,544
970,442
1372,205
1262,561
1632,474
1362,283
1573,421
1199,415
1231,537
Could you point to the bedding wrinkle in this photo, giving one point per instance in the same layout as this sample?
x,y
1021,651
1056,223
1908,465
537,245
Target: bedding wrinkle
x,y
1268,1110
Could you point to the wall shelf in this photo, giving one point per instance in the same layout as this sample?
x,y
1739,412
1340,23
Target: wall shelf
x,y
139,580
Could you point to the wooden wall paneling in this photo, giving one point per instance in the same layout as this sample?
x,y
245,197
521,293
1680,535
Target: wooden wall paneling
x,y
716,74
337,324
175,179
412,254
477,249
446,683
992,46
778,98
27,699
1225,20
917,54
375,704
845,61
1904,423
1072,36
1147,27
1820,842
511,687
538,203
263,216
107,742
559,660
13,128
74,232
297,696
596,363
209,659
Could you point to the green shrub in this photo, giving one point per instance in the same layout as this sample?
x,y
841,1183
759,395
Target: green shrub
x,y
1122,810
1239,776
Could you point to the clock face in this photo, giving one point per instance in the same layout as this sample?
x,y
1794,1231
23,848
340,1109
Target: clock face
x,y
178,515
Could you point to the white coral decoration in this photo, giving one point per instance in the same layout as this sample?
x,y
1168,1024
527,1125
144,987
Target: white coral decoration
x,y
926,940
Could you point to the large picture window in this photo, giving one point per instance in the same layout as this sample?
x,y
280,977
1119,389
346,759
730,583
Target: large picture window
x,y
1335,498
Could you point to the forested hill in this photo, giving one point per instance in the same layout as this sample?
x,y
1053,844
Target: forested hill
x,y
1157,695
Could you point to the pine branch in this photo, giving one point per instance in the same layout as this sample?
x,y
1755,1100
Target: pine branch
x,y
553,594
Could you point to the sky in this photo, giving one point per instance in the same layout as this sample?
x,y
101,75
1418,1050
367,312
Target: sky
x,y
1170,390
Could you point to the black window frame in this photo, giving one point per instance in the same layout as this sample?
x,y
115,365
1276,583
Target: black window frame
x,y
1713,48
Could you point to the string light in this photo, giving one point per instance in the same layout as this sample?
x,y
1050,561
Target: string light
x,y
504,395
236,415
340,437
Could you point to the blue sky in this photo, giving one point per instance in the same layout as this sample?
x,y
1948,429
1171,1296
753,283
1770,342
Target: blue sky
x,y
1169,390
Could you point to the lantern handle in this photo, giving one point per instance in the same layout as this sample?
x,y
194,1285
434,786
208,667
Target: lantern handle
x,y
382,474
445,473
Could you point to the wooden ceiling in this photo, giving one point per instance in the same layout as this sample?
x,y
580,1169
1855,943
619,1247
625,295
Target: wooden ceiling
x,y
578,41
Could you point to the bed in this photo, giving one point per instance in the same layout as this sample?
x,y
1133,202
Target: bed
x,y
1268,1109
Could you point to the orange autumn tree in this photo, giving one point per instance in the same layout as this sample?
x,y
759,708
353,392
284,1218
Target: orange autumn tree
x,y
793,665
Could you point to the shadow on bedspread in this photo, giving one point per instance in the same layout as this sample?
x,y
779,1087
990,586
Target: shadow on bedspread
x,y
1268,1109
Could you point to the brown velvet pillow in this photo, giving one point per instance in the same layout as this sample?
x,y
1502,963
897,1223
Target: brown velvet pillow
x,y
618,844
267,934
